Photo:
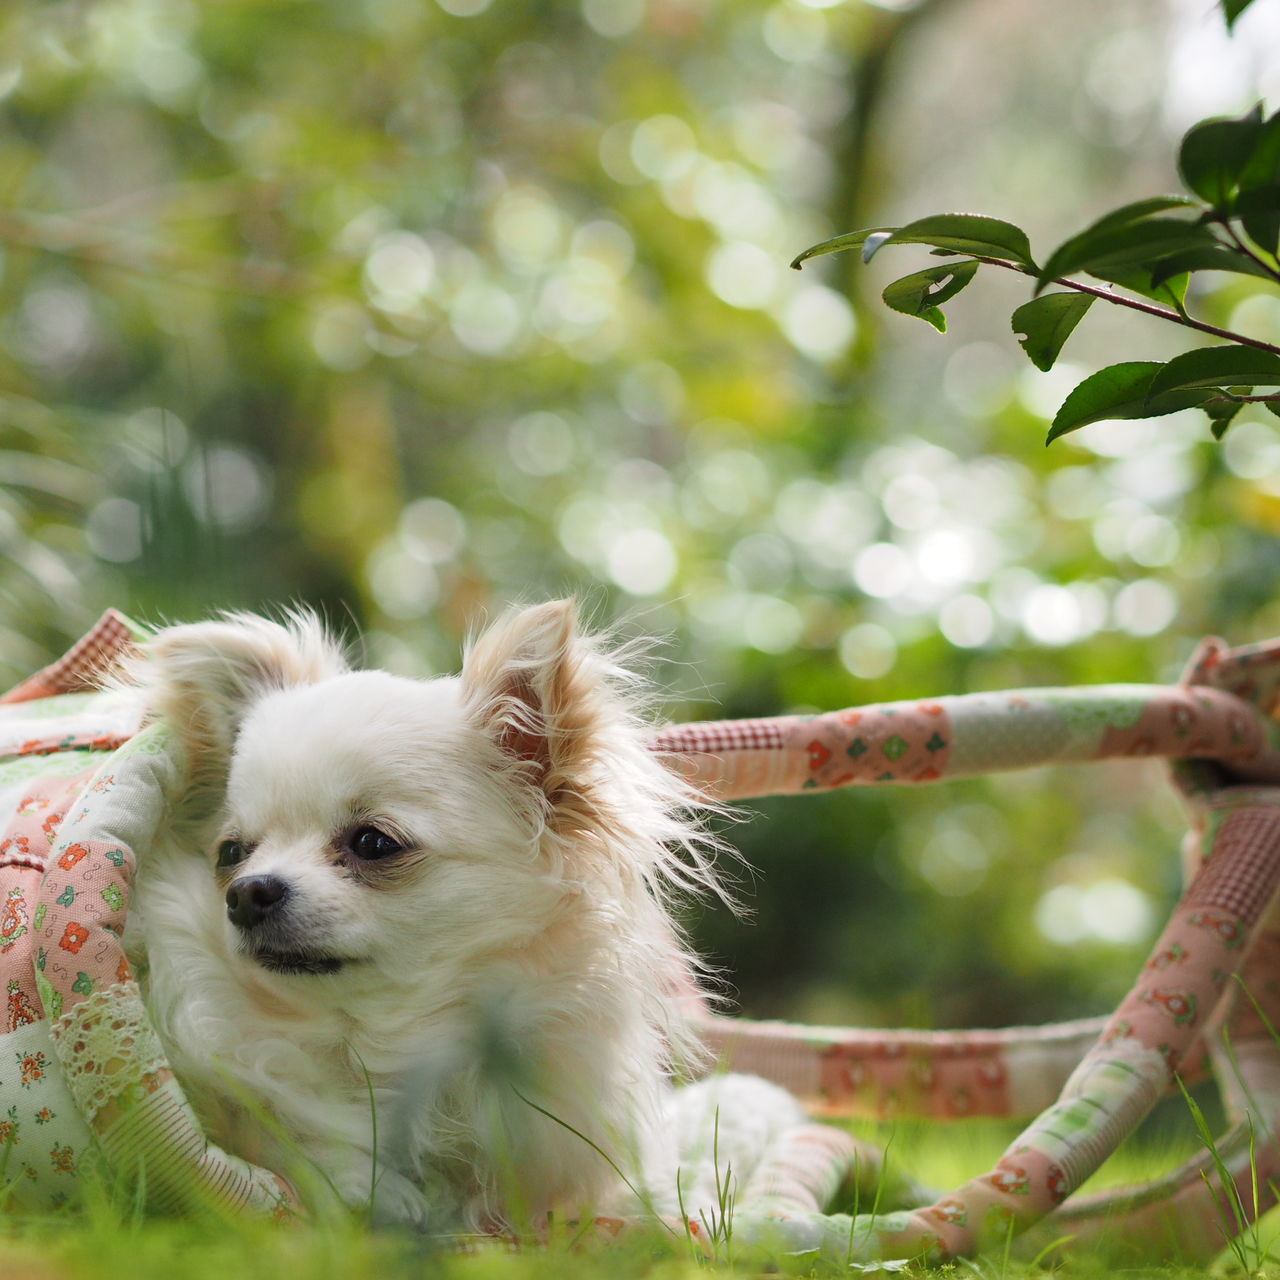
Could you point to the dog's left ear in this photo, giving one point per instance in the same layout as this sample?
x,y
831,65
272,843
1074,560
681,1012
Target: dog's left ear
x,y
530,681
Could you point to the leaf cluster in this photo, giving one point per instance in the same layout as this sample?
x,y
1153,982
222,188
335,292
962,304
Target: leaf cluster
x,y
1144,255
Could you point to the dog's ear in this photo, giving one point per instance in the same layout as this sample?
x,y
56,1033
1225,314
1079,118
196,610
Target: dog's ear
x,y
530,682
202,677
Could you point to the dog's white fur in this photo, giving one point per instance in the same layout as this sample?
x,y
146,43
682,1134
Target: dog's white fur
x,y
515,962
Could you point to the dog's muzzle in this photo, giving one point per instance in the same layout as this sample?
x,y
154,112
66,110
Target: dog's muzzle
x,y
256,906
252,900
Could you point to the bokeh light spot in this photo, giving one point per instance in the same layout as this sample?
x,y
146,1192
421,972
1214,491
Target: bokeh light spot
x,y
967,621
868,651
432,529
641,561
882,570
1145,607
771,625
613,18
819,322
742,275
540,443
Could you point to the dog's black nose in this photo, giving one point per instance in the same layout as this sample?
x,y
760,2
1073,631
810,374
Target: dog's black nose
x,y
251,899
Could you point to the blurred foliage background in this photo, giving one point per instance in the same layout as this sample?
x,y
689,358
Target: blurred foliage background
x,y
409,308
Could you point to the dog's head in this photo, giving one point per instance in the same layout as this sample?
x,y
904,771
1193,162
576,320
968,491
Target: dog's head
x,y
380,832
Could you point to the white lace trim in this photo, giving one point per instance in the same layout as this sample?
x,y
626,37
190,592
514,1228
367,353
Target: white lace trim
x,y
107,1047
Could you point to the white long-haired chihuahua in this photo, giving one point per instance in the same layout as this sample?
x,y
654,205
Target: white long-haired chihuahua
x,y
422,926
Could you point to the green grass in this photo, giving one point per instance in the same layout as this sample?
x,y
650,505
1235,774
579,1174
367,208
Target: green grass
x,y
100,1240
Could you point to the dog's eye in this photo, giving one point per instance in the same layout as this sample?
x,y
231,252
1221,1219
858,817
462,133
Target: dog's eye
x,y
369,844
231,852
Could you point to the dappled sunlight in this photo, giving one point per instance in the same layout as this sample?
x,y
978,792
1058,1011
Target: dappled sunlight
x,y
407,310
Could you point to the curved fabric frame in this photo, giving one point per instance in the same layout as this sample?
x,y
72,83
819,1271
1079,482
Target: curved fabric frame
x,y
1221,726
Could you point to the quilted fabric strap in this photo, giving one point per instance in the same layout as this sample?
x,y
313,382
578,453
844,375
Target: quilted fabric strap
x,y
109,1056
953,737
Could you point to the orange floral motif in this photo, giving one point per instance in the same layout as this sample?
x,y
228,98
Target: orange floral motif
x,y
993,1072
1179,1005
1012,1180
1169,956
1229,930
74,936
63,1159
20,1011
32,1067
951,1210
19,844
13,919
74,854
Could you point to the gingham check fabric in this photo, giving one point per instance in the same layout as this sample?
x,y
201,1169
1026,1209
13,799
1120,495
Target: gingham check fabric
x,y
112,638
716,736
1234,879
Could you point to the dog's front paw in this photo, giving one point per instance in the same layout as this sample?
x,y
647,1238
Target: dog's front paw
x,y
398,1202
388,1198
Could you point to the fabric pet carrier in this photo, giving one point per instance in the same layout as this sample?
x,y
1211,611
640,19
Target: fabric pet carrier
x,y
85,783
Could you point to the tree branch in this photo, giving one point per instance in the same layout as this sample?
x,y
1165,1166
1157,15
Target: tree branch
x,y
1139,304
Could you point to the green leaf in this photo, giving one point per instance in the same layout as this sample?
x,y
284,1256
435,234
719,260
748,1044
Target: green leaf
x,y
1257,200
1172,291
1214,154
853,240
1258,208
1120,391
1232,9
1220,414
969,233
1263,166
920,293
1224,366
1139,210
1124,247
1046,322
1222,257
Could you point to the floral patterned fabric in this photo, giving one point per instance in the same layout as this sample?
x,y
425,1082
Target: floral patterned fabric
x,y
47,750
82,786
